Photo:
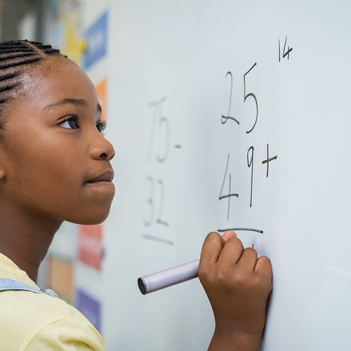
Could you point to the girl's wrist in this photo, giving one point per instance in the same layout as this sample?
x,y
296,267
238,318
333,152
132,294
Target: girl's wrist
x,y
228,339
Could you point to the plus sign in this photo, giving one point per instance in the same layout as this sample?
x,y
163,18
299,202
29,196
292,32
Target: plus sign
x,y
268,159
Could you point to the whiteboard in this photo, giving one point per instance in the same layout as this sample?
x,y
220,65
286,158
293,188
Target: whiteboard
x,y
195,152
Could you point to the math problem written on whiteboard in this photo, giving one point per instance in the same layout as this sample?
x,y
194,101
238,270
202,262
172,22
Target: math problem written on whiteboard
x,y
284,53
159,148
158,151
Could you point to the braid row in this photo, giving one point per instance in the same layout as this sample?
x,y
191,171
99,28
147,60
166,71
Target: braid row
x,y
42,47
19,53
16,50
16,56
13,64
7,76
52,51
11,42
33,42
8,87
7,46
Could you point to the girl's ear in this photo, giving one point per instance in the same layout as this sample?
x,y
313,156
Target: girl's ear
x,y
2,174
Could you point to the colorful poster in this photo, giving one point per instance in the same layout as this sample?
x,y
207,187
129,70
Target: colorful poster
x,y
90,307
63,23
96,38
90,248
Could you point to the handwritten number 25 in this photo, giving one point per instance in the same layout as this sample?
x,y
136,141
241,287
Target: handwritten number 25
x,y
224,119
253,96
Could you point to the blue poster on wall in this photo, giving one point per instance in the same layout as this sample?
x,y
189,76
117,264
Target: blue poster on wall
x,y
90,307
96,37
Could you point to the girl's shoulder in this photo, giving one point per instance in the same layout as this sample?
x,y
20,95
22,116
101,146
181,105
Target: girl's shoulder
x,y
34,321
39,321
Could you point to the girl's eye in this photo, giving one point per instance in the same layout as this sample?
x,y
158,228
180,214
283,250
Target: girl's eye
x,y
70,123
73,123
101,126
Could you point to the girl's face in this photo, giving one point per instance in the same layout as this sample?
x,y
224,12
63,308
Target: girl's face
x,y
52,147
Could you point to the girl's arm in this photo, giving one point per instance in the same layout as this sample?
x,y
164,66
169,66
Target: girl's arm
x,y
238,286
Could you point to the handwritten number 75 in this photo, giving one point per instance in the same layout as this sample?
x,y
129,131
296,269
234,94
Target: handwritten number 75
x,y
160,124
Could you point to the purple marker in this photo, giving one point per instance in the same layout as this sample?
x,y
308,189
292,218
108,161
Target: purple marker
x,y
172,276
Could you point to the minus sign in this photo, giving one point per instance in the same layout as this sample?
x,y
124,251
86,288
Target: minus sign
x,y
178,146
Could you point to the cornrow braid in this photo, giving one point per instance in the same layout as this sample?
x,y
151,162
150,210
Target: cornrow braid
x,y
52,51
16,56
41,46
5,88
13,64
5,51
7,76
19,54
13,46
12,42
33,42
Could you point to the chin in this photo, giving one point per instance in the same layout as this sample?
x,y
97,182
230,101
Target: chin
x,y
89,218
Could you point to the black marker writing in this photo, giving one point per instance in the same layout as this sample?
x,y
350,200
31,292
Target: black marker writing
x,y
160,123
253,96
285,53
250,164
151,202
268,159
224,119
221,197
240,229
159,219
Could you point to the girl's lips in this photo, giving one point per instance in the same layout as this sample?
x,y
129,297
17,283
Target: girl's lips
x,y
101,183
106,177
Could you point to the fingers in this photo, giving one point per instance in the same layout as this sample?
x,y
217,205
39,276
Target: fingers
x,y
229,234
231,252
211,249
248,259
264,267
228,249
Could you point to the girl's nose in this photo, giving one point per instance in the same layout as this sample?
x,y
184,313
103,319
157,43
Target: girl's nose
x,y
102,150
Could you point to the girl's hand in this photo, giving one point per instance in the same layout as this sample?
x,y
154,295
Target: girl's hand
x,y
238,286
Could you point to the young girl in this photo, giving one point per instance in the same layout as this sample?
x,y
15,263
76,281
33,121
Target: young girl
x,y
55,167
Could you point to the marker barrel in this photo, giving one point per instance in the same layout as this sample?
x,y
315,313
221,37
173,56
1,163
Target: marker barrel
x,y
153,282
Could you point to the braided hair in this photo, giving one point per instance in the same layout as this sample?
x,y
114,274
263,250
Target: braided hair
x,y
15,55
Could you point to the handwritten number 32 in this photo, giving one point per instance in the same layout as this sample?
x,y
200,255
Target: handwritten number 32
x,y
151,203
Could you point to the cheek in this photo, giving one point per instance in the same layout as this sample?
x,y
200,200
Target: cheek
x,y
48,173
46,168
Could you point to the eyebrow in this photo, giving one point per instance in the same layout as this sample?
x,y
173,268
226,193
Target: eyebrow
x,y
76,102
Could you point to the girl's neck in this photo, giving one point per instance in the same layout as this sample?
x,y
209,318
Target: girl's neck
x,y
25,237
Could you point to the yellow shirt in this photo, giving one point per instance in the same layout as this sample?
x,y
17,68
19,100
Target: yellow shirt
x,y
39,322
